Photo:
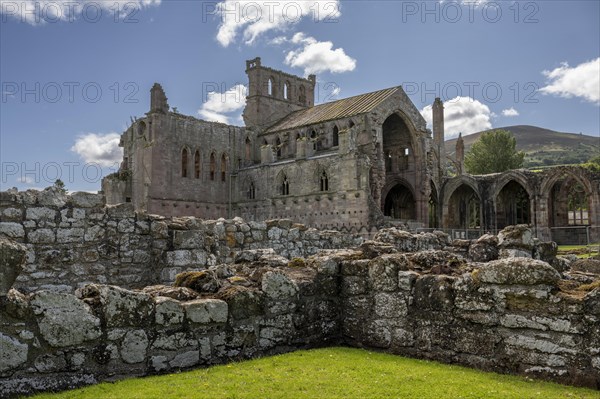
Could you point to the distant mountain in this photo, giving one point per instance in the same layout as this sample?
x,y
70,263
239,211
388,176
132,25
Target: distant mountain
x,y
543,147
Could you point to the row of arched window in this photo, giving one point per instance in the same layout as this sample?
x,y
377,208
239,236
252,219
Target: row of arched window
x,y
284,186
287,90
197,172
315,139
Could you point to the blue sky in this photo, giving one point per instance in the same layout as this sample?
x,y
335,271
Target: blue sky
x,y
73,73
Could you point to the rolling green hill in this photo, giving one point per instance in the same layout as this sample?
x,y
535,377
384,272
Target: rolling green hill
x,y
543,147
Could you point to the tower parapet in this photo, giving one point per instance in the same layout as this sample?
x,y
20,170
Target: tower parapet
x,y
273,94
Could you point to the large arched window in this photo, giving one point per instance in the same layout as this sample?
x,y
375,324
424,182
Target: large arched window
x,y
213,166
197,164
270,87
251,194
302,95
285,186
184,163
336,136
223,167
324,181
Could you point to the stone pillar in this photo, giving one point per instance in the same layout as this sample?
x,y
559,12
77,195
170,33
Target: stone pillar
x,y
460,155
301,148
438,135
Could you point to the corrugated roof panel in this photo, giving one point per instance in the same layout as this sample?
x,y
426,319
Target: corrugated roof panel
x,y
334,110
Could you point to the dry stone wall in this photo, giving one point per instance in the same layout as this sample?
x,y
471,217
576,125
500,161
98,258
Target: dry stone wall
x,y
52,340
73,240
504,303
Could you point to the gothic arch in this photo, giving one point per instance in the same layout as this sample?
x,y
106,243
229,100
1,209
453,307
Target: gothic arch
x,y
512,205
516,176
322,178
398,200
283,183
558,173
461,199
185,162
570,198
335,136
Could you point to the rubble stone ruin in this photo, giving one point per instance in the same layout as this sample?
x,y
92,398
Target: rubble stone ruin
x,y
92,292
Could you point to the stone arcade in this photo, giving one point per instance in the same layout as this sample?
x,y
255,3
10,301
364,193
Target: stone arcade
x,y
352,165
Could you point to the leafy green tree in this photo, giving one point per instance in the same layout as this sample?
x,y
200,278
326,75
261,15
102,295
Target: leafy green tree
x,y
493,152
593,163
59,184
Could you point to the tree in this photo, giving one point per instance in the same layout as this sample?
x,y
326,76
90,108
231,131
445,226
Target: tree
x,y
494,151
59,184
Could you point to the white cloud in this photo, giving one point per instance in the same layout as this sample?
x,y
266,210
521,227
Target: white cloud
x,y
26,179
510,112
40,12
255,18
219,104
580,81
462,115
102,149
316,57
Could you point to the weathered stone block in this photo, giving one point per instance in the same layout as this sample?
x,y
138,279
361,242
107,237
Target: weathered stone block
x,y
186,359
134,347
168,311
518,236
193,239
12,230
13,353
121,307
42,236
50,364
278,286
40,214
521,271
12,258
53,197
205,311
63,319
390,305
87,200
383,272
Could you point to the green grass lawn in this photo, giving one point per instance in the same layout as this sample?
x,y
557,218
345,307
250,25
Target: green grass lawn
x,y
331,373
583,251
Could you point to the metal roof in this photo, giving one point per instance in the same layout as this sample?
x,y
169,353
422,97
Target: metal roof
x,y
344,108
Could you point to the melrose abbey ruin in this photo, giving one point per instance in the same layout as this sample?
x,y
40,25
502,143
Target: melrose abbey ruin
x,y
217,243
350,165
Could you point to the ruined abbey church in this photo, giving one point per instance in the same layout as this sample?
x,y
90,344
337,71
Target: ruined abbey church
x,y
352,165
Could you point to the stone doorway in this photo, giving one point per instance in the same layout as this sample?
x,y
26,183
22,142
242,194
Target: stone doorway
x,y
400,203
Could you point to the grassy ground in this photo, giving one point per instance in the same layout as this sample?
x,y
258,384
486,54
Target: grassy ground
x,y
332,373
582,251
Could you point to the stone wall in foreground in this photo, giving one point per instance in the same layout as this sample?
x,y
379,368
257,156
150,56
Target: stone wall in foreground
x,y
502,303
54,341
73,240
